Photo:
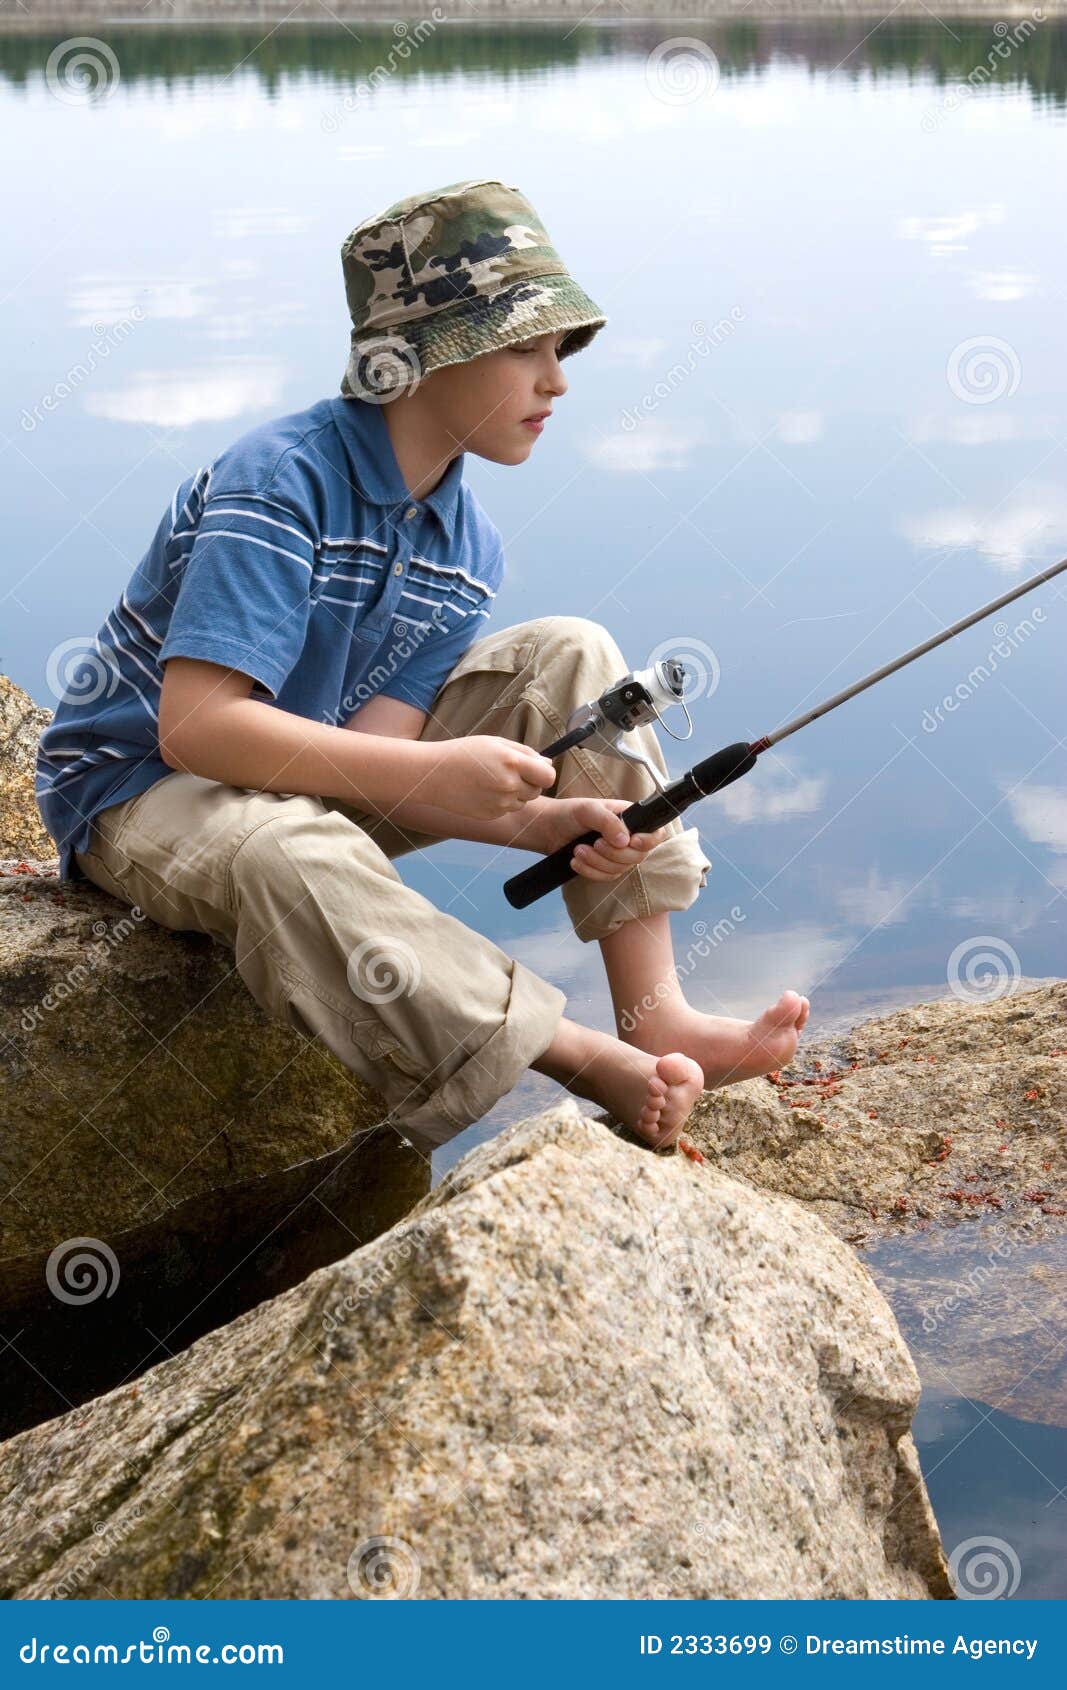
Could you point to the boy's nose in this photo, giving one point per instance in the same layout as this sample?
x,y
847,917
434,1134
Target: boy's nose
x,y
555,381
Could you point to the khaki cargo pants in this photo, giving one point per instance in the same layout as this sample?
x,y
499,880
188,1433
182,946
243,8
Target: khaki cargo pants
x,y
429,1013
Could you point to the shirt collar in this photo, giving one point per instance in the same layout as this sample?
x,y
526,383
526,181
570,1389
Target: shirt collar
x,y
366,434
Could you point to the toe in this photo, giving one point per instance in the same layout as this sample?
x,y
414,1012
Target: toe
x,y
783,1013
686,1080
677,1069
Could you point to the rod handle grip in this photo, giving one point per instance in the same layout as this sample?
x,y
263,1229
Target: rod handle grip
x,y
555,870
644,816
724,766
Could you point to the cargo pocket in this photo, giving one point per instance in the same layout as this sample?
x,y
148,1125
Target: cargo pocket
x,y
416,1085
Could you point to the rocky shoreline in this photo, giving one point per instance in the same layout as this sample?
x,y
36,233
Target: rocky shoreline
x,y
930,1116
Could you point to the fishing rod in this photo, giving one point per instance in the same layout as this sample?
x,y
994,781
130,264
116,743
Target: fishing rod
x,y
602,720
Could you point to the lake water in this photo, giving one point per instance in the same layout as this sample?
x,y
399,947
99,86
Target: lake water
x,y
826,418
983,1308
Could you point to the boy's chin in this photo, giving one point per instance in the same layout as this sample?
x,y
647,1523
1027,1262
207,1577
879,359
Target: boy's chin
x,y
508,451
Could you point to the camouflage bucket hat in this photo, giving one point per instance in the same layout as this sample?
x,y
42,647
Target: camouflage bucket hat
x,y
441,278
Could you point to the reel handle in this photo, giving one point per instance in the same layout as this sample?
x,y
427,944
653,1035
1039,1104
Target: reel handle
x,y
644,816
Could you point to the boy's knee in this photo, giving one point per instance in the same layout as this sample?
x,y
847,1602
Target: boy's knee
x,y
580,636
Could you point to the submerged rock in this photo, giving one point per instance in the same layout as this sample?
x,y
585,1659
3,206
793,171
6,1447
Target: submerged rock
x,y
576,1369
983,1308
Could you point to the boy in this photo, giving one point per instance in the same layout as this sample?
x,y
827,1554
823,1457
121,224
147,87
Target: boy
x,y
297,687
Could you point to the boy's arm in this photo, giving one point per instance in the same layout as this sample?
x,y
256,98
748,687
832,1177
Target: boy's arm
x,y
208,725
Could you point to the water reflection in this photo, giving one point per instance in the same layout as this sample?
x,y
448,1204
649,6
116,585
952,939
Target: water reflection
x,y
109,299
898,49
993,1482
983,1310
1015,538
180,398
1040,812
774,792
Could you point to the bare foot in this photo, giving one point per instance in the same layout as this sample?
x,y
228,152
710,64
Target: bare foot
x,y
648,1092
653,1101
727,1049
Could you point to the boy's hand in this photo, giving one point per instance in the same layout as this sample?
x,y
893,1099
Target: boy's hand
x,y
566,818
484,776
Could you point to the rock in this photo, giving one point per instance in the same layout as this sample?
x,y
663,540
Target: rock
x,y
22,832
937,1113
576,1369
196,1156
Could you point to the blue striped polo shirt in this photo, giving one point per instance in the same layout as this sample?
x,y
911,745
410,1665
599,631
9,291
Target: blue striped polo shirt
x,y
298,557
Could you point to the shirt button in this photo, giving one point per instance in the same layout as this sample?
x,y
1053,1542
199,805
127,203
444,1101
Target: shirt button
x,y
411,511
398,569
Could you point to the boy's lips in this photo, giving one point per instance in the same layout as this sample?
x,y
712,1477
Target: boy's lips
x,y
537,421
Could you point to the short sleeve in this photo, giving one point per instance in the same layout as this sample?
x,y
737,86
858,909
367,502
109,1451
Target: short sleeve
x,y
425,672
245,593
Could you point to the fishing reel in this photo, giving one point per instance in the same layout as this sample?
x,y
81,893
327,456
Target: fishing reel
x,y
630,703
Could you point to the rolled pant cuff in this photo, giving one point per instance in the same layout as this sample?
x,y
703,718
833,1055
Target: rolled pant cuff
x,y
531,1017
671,878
